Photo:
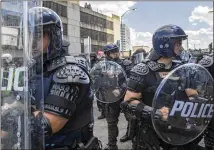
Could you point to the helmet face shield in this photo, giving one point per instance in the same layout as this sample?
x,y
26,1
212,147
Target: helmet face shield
x,y
50,39
138,58
168,40
180,45
35,33
35,41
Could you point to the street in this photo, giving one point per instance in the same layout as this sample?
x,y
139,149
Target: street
x,y
101,130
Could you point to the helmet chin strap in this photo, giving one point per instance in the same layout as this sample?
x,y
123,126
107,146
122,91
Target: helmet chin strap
x,y
167,64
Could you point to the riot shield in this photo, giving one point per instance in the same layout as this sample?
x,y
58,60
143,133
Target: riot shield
x,y
185,100
21,60
108,81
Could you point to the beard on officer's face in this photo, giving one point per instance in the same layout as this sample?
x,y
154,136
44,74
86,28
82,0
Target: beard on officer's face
x,y
114,55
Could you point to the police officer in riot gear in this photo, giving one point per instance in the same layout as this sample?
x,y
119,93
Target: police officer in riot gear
x,y
68,101
138,56
113,110
207,62
144,80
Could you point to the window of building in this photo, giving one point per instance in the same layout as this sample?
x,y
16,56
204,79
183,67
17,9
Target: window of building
x,y
10,20
61,10
65,29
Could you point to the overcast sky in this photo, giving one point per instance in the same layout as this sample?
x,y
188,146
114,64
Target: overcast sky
x,y
192,16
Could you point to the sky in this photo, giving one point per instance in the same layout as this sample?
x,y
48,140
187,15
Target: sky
x,y
192,16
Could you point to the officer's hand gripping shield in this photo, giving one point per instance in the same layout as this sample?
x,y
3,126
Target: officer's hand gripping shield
x,y
108,81
21,75
185,98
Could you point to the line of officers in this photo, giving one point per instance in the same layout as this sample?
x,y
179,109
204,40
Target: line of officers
x,y
67,120
165,56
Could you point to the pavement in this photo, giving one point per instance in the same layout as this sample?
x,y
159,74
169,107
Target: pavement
x,y
101,130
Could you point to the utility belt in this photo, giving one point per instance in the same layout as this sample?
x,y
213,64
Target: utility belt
x,y
79,140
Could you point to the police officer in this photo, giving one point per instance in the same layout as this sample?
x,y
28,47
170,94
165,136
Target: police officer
x,y
93,58
138,56
112,53
207,62
68,98
144,80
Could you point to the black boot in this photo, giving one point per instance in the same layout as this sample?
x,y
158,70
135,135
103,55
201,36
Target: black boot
x,y
102,116
124,138
112,136
111,147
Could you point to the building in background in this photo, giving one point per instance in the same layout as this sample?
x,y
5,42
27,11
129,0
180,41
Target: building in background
x,y
78,23
116,22
69,13
125,38
97,26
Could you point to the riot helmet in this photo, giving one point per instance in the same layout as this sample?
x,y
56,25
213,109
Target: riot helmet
x,y
46,20
111,51
167,42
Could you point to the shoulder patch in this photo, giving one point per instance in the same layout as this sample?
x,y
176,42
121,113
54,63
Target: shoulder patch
x,y
206,61
154,66
141,69
71,73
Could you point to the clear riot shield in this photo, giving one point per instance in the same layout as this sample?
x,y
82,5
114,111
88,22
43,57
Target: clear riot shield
x,y
185,98
21,75
108,81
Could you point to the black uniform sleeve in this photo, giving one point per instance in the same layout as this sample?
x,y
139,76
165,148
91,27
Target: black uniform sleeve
x,y
136,81
70,83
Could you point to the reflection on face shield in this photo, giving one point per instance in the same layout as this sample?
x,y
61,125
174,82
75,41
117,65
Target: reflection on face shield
x,y
179,46
138,58
35,43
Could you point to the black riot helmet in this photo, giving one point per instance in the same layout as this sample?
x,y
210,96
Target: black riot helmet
x,y
111,49
164,40
46,20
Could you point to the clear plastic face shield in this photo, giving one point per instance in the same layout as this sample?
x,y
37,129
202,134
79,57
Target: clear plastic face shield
x,y
35,33
138,58
50,40
180,45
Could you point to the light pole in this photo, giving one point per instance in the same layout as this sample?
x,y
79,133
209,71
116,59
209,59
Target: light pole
x,y
121,24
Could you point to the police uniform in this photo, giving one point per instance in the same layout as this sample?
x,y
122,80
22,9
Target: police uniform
x,y
67,91
145,78
207,62
65,78
112,110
